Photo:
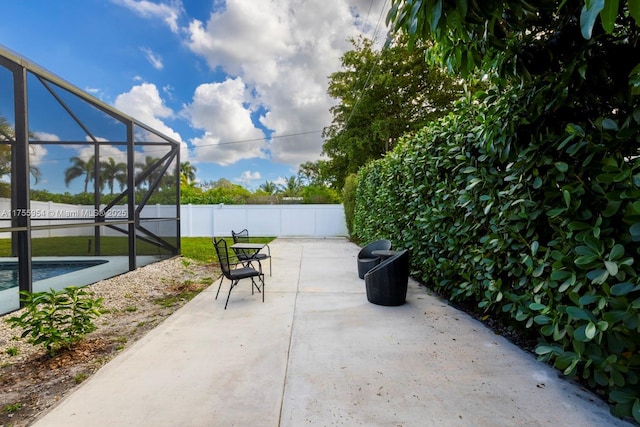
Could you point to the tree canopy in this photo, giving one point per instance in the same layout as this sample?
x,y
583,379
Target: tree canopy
x,y
79,168
579,60
546,163
113,172
188,173
7,135
520,37
382,95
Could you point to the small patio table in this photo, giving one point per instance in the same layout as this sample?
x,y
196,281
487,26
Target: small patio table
x,y
249,246
250,251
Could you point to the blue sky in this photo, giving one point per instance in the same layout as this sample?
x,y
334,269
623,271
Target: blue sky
x,y
208,73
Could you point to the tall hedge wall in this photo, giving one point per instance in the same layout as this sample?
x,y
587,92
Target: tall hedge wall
x,y
531,216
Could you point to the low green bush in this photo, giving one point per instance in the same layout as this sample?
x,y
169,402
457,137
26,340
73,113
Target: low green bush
x,y
530,216
349,202
57,320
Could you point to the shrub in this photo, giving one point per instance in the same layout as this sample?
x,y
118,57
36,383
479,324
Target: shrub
x,y
319,194
349,201
521,206
57,320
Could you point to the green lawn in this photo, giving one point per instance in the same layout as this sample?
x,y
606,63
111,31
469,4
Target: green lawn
x,y
197,248
80,246
201,248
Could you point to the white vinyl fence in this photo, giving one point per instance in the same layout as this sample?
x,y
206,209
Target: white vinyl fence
x,y
264,220
198,220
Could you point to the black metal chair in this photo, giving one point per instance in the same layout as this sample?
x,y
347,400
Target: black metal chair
x,y
366,260
235,274
387,282
247,256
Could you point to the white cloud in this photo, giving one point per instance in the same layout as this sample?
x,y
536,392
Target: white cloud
x,y
168,13
106,151
120,155
223,112
280,182
90,140
284,51
143,102
184,152
168,91
37,154
248,178
93,91
154,60
46,136
278,55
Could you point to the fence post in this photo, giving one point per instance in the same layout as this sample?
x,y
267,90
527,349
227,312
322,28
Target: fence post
x,y
190,216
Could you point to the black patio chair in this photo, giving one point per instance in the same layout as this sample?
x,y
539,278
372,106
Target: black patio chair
x,y
366,260
247,256
387,282
235,274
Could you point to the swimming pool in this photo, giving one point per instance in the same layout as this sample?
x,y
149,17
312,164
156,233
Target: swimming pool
x,y
41,270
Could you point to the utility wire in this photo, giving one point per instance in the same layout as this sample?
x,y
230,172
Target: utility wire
x,y
373,67
375,36
260,139
164,150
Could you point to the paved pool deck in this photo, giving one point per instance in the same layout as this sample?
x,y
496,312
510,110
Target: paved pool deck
x,y
317,353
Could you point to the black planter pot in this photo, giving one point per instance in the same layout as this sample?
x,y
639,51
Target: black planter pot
x,y
387,282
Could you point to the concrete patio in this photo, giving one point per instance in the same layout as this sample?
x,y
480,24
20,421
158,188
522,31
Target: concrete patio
x,y
317,353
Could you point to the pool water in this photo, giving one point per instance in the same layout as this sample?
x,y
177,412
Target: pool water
x,y
41,270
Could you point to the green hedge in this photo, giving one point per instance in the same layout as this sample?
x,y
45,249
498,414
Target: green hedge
x,y
530,217
349,202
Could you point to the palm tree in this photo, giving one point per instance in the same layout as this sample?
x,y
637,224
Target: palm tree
x,y
112,171
35,173
78,169
269,187
7,134
187,173
292,187
148,163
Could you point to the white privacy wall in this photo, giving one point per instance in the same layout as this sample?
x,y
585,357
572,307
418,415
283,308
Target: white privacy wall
x,y
264,220
199,220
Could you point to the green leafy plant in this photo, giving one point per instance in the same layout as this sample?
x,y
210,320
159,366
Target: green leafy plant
x,y
57,319
349,201
534,220
12,408
78,378
12,351
122,341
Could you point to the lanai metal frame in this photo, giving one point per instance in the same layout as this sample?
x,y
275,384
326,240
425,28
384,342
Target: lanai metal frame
x,y
137,135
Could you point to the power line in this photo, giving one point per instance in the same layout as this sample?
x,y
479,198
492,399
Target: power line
x,y
260,139
375,36
164,150
373,67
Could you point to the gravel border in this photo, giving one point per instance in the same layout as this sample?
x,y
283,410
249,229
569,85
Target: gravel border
x,y
119,293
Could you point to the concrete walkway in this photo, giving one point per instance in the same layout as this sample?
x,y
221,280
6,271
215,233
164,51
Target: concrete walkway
x,y
317,353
